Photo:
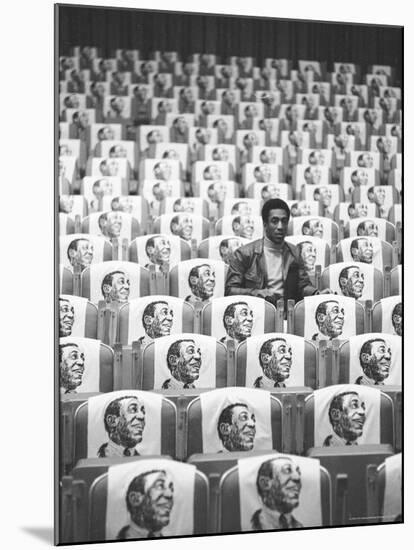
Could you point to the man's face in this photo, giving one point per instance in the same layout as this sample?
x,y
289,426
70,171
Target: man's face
x,y
184,205
66,317
155,510
119,290
366,160
203,285
315,229
241,324
284,488
397,322
160,252
352,418
181,125
128,427
377,365
186,367
83,119
163,171
107,133
83,255
188,95
118,104
213,172
379,196
277,365
353,285
125,204
364,253
242,430
162,321
217,193
171,154
361,178
184,229
263,173
72,367
161,190
270,191
154,137
308,255
276,226
313,176
245,228
360,211
110,168
242,208
325,196
118,152
220,154
369,229
114,225
331,323
250,140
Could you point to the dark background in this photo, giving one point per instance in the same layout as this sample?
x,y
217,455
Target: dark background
x,y
145,30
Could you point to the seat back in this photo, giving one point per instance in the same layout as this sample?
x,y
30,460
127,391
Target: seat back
x,y
369,250
99,499
339,278
65,280
252,354
143,248
163,435
316,226
185,277
84,249
396,280
231,498
372,227
203,417
157,360
186,226
220,247
101,223
387,315
133,323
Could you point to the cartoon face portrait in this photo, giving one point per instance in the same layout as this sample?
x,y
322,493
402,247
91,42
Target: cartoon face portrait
x,y
375,360
330,318
243,226
227,248
362,250
154,136
180,125
307,253
301,208
359,177
279,483
236,427
122,204
220,154
182,226
271,191
102,187
66,317
397,319
184,361
217,192
110,224
238,321
365,160
313,228
324,195
267,157
109,167
357,210
71,367
202,281
347,417
242,208
158,250
162,171
262,173
275,358
160,190
115,287
212,172
80,253
184,205
124,420
351,282
376,194
250,140
367,229
312,175
157,319
117,151
150,499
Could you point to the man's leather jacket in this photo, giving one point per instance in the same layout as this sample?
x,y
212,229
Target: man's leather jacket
x,y
247,273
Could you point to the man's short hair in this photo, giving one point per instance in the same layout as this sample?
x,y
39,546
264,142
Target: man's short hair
x,y
337,403
226,416
235,221
137,485
150,243
273,204
267,347
66,345
114,408
366,348
354,243
150,310
107,280
175,221
397,310
195,271
230,310
265,470
322,308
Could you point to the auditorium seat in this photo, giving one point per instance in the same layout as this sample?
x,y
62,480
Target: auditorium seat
x,y
65,280
384,490
364,282
374,227
383,313
66,224
248,227
220,247
370,250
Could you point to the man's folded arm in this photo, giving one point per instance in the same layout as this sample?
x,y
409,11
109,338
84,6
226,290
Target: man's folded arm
x,y
235,277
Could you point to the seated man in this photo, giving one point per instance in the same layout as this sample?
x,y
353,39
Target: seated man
x,y
269,267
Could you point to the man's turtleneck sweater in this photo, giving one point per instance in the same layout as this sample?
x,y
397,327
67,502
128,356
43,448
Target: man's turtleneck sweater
x,y
273,254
